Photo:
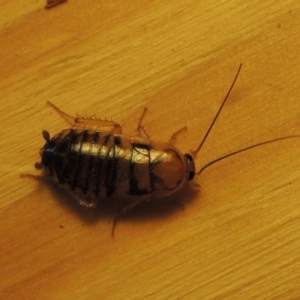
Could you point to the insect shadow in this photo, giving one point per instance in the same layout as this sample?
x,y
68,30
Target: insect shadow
x,y
106,211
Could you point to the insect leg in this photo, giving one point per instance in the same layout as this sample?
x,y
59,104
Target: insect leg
x,y
32,176
93,123
122,213
174,136
141,128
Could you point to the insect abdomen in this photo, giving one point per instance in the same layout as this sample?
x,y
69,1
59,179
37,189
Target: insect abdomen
x,y
97,163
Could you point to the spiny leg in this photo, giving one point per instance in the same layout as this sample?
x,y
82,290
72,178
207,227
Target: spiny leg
x,y
38,166
174,136
99,124
122,213
141,128
32,176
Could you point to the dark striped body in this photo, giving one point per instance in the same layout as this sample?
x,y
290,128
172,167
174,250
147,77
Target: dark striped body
x,y
97,165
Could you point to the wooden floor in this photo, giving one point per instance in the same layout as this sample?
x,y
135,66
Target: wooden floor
x,y
238,237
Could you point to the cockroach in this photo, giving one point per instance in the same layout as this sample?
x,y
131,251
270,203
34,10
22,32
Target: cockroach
x,y
94,161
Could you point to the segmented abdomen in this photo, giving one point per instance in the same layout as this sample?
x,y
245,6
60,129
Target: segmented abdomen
x,y
99,164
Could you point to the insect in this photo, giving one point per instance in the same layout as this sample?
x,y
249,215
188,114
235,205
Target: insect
x,y
94,161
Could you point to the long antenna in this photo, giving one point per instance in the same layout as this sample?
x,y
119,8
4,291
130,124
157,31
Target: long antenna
x,y
194,153
245,149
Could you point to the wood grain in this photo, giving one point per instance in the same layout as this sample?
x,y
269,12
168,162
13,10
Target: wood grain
x,y
239,236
